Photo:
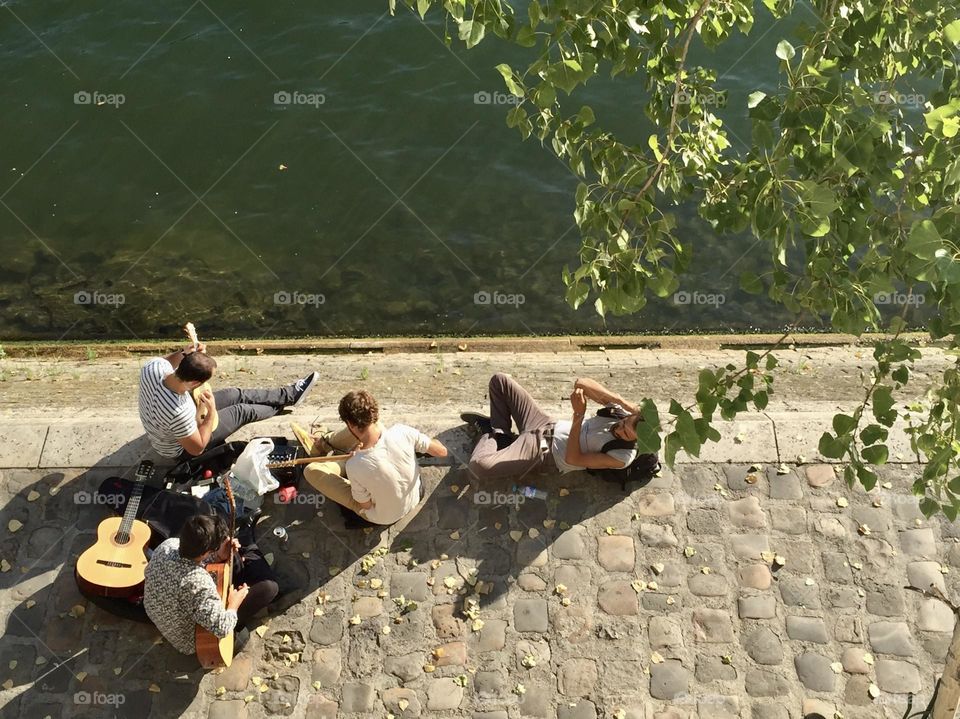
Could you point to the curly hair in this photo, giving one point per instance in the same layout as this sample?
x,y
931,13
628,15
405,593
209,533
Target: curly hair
x,y
359,408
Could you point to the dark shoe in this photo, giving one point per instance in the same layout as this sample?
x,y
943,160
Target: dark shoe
x,y
247,526
352,520
477,423
301,388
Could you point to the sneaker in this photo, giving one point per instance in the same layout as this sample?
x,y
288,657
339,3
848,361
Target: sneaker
x,y
301,388
477,423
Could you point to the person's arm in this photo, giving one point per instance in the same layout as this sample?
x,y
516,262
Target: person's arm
x,y
197,441
574,455
175,357
207,609
436,448
361,495
595,391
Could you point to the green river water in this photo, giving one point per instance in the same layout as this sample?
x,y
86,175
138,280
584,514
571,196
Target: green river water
x,y
154,171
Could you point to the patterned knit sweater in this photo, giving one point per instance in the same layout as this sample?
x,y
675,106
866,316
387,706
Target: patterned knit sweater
x,y
178,594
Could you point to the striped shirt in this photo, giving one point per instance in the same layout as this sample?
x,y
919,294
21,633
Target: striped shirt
x,y
178,594
166,416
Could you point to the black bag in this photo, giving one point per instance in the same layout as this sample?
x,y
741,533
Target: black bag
x,y
642,469
219,459
163,511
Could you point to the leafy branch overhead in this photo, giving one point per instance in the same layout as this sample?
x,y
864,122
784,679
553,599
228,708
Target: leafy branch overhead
x,y
849,193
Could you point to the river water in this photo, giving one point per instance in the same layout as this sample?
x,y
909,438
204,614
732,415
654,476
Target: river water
x,y
290,169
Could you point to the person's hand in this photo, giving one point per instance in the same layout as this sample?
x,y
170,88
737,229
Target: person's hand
x,y
206,400
223,554
578,401
236,596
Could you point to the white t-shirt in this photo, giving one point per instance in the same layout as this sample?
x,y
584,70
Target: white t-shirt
x,y
166,416
594,433
388,474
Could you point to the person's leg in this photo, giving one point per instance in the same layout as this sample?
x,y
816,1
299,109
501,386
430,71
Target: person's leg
x,y
233,396
236,416
240,638
340,442
520,457
325,477
508,400
256,573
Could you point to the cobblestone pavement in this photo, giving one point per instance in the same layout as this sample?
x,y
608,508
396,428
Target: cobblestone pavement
x,y
715,591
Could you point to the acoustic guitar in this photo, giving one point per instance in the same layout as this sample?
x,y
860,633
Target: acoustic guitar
x,y
114,565
212,651
191,332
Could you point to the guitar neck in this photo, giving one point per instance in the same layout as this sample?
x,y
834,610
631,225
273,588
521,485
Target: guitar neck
x,y
133,503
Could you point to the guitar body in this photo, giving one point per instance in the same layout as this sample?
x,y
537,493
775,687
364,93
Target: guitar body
x,y
212,651
113,569
201,413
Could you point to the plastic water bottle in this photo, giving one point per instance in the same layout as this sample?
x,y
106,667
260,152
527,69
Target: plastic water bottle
x,y
530,492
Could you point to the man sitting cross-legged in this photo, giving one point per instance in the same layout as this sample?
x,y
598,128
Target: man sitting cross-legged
x,y
381,480
179,593
542,443
171,418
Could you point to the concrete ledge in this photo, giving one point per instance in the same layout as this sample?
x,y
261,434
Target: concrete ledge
x,y
389,345
22,445
752,438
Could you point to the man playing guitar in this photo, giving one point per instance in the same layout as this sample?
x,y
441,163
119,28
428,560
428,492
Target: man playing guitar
x,y
179,593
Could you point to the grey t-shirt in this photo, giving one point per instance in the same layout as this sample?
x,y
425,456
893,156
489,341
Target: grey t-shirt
x,y
594,433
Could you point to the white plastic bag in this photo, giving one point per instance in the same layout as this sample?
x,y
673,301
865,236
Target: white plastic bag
x,y
252,478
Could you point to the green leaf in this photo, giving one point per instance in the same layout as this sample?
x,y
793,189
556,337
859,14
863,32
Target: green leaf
x,y
755,98
929,506
873,433
565,75
751,283
952,32
422,7
509,79
843,424
867,478
670,448
924,240
883,405
830,447
586,116
877,454
526,36
472,32
785,51
688,435
760,400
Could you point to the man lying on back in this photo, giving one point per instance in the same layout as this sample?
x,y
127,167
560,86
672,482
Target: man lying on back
x,y
170,416
543,443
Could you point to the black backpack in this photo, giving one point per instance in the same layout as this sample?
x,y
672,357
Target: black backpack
x,y
642,469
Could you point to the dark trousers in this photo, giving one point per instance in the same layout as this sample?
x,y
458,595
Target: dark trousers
x,y
238,407
510,403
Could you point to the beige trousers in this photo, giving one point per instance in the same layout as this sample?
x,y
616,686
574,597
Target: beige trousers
x,y
327,477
